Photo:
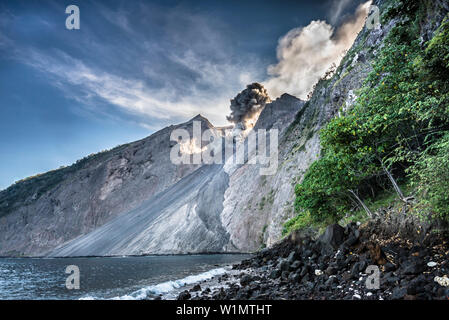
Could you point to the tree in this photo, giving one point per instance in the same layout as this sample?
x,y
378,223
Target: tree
x,y
402,110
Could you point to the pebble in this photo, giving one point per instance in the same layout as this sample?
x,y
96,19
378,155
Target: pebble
x,y
442,281
432,264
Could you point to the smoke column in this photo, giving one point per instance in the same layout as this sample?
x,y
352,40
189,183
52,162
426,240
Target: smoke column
x,y
248,104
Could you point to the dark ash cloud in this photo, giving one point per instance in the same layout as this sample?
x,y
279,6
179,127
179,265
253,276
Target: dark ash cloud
x,y
248,103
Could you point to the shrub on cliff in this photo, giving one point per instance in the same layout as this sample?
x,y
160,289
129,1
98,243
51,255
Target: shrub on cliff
x,y
431,178
396,123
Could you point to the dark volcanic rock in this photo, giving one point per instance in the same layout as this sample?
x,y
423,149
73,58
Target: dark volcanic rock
x,y
413,267
294,277
185,295
337,276
330,271
346,276
276,273
305,270
416,286
398,293
333,236
285,274
246,280
295,265
356,268
389,267
284,265
293,256
196,288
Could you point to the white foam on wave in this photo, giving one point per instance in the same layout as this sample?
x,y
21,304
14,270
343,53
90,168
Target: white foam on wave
x,y
166,287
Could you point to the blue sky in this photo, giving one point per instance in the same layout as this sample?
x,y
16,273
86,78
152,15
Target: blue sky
x,y
132,68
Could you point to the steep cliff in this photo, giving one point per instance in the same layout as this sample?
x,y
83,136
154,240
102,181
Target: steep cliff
x,y
40,213
190,216
130,200
134,200
255,212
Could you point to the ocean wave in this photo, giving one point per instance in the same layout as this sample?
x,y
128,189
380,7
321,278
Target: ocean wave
x,y
167,287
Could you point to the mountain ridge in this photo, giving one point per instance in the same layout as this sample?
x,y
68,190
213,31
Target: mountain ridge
x,y
119,181
231,208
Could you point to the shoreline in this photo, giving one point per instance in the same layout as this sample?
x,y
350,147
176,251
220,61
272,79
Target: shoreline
x,y
336,267
132,256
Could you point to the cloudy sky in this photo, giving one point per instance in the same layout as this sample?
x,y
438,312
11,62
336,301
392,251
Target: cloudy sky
x,y
136,66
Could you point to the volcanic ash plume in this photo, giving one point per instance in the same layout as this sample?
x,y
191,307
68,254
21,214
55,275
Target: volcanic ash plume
x,y
248,104
305,54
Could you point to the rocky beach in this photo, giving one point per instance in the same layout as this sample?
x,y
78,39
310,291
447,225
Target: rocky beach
x,y
225,151
341,264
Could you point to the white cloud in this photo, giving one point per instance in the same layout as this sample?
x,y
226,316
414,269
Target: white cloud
x,y
134,96
209,74
305,54
163,78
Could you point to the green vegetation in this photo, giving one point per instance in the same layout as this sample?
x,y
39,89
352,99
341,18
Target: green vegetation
x,y
431,178
263,245
383,200
262,203
395,134
270,197
301,221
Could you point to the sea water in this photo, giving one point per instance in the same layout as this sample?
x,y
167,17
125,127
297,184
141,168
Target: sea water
x,y
109,277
